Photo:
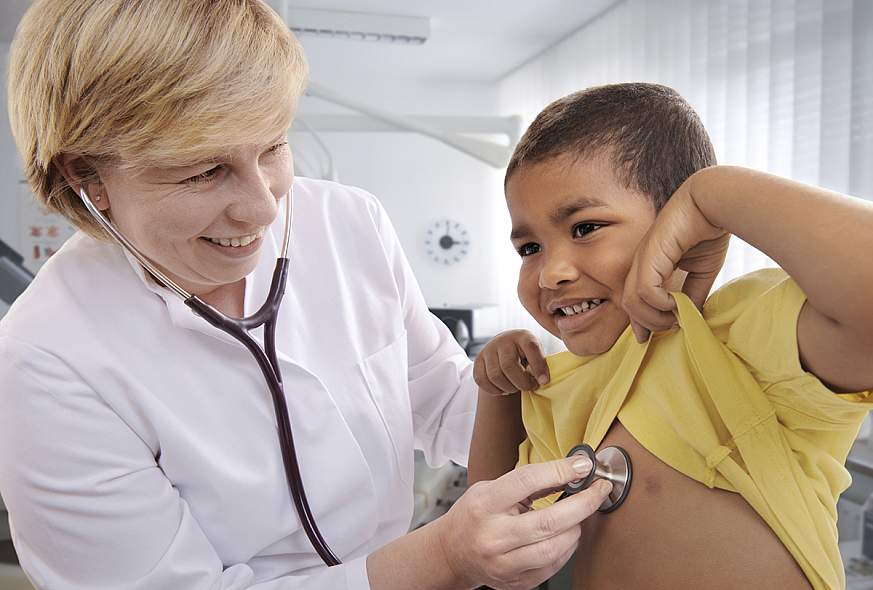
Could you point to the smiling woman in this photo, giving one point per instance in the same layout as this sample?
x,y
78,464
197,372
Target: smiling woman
x,y
201,222
138,441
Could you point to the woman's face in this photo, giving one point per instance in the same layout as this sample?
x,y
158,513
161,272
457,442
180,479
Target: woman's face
x,y
201,224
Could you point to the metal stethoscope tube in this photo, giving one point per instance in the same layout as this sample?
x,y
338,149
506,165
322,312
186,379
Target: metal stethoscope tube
x,y
266,357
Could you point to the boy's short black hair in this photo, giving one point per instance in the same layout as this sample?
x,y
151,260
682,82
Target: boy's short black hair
x,y
652,134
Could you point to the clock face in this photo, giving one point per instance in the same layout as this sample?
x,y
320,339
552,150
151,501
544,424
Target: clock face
x,y
447,242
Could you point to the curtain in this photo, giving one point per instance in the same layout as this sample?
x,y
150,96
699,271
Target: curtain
x,y
784,86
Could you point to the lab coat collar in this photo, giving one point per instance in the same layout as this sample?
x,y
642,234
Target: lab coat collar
x,y
257,288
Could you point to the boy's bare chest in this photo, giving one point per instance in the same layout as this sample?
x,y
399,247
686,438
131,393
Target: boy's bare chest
x,y
674,532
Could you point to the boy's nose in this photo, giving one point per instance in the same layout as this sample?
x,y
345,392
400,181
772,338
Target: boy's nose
x,y
556,271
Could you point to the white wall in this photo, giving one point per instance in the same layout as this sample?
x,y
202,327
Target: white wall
x,y
420,181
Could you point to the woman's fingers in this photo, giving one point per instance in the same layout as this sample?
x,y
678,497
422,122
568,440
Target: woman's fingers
x,y
548,553
532,578
527,481
491,538
539,525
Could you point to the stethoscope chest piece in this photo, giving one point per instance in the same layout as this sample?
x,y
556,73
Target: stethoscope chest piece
x,y
610,463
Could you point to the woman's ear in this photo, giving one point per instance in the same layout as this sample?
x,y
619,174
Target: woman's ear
x,y
79,172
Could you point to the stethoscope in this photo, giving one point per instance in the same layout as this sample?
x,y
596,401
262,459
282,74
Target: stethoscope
x,y
610,463
266,357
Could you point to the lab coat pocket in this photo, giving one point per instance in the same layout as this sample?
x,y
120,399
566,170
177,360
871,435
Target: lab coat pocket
x,y
386,373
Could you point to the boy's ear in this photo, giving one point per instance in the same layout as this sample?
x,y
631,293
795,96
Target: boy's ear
x,y
77,170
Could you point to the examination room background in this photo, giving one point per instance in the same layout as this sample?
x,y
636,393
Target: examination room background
x,y
782,85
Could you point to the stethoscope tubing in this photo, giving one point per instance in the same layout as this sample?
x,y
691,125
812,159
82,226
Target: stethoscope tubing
x,y
266,358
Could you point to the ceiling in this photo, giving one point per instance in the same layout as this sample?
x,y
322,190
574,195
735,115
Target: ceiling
x,y
470,41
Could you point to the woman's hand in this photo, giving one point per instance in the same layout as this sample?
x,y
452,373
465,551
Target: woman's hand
x,y
492,537
512,361
680,238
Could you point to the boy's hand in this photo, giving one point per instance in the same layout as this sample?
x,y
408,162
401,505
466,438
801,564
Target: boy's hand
x,y
512,361
681,237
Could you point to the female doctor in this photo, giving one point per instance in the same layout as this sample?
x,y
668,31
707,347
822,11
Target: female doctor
x,y
138,443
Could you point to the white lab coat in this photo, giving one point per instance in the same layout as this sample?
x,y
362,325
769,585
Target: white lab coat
x,y
138,445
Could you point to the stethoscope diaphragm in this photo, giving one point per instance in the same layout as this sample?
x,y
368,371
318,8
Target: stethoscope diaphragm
x,y
610,463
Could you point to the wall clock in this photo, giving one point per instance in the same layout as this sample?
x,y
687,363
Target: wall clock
x,y
447,242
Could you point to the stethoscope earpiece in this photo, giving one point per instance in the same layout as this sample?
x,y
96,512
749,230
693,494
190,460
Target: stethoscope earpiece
x,y
610,463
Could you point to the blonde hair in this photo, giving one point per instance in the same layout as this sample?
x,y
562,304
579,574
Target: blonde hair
x,y
145,82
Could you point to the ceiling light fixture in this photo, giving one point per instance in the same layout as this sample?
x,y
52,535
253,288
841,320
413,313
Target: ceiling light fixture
x,y
358,26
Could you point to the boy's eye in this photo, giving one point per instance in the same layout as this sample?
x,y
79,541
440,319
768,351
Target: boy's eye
x,y
582,229
203,177
528,249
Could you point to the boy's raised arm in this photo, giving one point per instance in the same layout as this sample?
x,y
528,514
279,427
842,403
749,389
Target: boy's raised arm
x,y
824,240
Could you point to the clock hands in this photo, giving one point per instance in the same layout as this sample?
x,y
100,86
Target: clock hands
x,y
451,248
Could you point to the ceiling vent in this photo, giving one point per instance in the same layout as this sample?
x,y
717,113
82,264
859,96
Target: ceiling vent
x,y
357,26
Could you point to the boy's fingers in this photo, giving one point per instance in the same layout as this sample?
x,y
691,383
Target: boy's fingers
x,y
697,288
497,376
480,376
511,365
640,333
536,360
645,317
657,297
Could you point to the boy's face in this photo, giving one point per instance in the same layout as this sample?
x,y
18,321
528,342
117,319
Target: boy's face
x,y
576,227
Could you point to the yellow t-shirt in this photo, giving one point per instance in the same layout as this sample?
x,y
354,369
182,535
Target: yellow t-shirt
x,y
725,401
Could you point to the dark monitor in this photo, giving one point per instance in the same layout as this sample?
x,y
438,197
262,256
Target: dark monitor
x,y
14,278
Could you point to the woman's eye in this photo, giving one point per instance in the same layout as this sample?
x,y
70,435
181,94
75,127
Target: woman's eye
x,y
203,177
277,147
528,249
580,230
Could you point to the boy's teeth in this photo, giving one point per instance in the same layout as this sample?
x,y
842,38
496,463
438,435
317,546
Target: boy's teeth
x,y
581,307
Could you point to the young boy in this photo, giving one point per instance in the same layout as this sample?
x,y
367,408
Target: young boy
x,y
737,421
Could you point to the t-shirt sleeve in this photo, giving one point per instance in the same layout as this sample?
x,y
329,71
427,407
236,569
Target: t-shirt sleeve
x,y
762,331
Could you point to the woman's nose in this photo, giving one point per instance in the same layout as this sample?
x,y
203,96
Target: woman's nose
x,y
557,269
255,202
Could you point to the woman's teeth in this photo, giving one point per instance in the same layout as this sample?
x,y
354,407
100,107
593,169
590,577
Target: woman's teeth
x,y
582,307
236,242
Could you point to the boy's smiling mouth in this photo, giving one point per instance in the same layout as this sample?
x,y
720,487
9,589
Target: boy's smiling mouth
x,y
575,315
571,307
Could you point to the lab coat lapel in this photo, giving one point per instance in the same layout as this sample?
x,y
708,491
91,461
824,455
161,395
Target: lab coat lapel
x,y
332,465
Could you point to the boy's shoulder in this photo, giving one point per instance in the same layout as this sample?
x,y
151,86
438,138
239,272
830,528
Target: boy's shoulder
x,y
738,297
755,316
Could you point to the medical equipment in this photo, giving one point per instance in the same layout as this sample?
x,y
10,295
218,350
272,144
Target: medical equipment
x,y
266,357
14,277
610,463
